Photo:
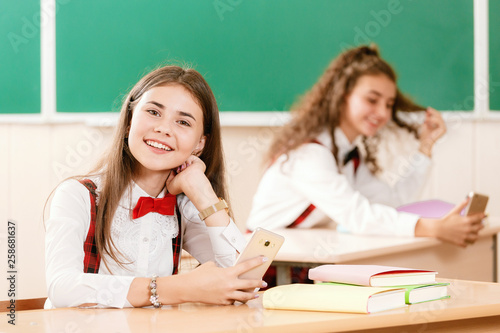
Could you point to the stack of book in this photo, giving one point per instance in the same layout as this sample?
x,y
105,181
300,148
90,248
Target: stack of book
x,y
358,289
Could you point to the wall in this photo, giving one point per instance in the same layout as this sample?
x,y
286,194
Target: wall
x,y
38,152
36,157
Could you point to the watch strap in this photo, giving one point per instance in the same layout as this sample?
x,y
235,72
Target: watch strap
x,y
222,204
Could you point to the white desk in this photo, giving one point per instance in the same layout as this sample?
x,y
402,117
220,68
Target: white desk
x,y
313,247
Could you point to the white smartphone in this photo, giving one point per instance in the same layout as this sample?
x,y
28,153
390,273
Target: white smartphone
x,y
477,204
263,243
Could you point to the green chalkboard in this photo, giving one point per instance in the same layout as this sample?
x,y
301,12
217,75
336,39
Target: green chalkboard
x,y
20,56
494,33
260,55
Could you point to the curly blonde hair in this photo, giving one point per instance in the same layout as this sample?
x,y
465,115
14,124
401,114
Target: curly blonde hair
x,y
320,108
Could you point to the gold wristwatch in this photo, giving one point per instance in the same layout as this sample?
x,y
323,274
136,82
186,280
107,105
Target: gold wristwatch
x,y
222,204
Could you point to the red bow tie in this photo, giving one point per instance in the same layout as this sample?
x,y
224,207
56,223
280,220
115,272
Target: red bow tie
x,y
164,206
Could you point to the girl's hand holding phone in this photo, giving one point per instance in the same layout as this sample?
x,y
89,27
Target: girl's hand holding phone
x,y
214,285
458,229
453,227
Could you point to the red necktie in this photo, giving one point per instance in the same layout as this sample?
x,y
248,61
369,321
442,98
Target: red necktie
x,y
164,206
354,156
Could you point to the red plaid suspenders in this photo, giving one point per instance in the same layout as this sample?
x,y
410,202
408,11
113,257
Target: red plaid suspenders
x,y
309,208
177,243
92,258
302,216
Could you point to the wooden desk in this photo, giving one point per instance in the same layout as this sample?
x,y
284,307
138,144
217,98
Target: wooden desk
x,y
473,307
313,247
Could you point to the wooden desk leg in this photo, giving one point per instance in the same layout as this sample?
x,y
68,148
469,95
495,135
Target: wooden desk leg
x,y
283,275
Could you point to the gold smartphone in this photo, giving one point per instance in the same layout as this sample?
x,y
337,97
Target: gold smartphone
x,y
477,203
263,243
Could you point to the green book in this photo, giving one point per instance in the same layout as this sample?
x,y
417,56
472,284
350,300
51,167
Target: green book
x,y
425,292
416,293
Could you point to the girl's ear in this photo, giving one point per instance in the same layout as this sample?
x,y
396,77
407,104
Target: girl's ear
x,y
199,148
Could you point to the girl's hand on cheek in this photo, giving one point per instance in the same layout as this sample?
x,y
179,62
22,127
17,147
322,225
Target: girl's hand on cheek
x,y
172,183
190,179
187,177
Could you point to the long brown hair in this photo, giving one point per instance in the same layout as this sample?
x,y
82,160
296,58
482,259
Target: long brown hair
x,y
320,108
117,166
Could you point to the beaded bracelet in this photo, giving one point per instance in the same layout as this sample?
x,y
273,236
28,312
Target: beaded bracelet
x,y
154,299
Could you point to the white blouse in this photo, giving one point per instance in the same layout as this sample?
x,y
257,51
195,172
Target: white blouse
x,y
357,202
144,246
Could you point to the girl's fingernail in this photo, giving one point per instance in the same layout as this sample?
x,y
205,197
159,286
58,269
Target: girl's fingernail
x,y
264,259
256,296
264,284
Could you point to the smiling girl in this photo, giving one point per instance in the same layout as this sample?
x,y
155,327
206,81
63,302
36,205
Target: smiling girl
x,y
322,165
114,237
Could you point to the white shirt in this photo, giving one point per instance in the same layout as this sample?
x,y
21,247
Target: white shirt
x,y
360,203
145,245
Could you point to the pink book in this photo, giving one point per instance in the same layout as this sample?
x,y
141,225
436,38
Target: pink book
x,y
372,275
433,209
